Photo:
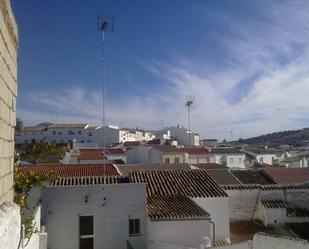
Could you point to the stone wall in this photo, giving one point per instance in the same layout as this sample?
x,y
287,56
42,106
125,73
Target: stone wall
x,y
8,91
9,212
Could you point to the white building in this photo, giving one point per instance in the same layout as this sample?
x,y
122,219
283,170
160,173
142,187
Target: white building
x,y
294,162
259,156
155,154
80,133
180,134
229,157
184,207
9,212
99,216
198,155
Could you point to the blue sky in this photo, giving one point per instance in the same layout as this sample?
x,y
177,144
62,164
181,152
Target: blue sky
x,y
246,62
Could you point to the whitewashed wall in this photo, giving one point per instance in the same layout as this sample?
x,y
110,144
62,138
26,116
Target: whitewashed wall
x,y
264,241
63,205
218,208
9,212
242,203
184,233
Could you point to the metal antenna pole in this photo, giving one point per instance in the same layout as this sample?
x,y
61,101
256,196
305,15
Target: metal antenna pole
x,y
189,122
190,101
103,98
105,23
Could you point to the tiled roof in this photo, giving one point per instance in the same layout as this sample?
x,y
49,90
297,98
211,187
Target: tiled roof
x,y
90,154
208,165
243,231
71,170
89,180
273,203
260,151
76,126
124,169
297,212
222,176
195,150
225,151
288,175
114,151
300,229
190,183
240,186
264,187
165,148
174,208
33,128
250,176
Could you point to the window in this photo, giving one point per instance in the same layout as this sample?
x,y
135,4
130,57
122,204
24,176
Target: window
x,y
231,160
261,160
86,232
89,134
240,160
79,132
176,159
167,160
134,227
197,160
54,132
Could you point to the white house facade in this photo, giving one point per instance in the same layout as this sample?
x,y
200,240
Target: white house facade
x,y
107,216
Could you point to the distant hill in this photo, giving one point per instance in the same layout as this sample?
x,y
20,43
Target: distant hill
x,y
291,137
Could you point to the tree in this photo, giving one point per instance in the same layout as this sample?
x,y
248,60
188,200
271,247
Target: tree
x,y
19,125
23,183
44,153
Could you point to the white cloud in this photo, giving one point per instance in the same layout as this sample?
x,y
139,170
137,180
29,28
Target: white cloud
x,y
273,48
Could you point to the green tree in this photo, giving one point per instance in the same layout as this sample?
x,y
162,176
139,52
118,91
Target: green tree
x,y
19,125
44,153
24,181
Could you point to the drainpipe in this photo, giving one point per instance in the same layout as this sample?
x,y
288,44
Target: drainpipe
x,y
23,236
213,230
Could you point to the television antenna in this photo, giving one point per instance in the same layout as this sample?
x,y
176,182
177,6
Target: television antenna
x,y
105,23
190,103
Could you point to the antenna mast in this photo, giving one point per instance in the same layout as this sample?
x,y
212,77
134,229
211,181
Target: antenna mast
x,y
190,102
105,24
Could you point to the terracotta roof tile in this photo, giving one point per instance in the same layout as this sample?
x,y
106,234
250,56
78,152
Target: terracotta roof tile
x,y
223,176
208,166
297,212
90,154
264,187
165,148
89,180
71,170
125,169
225,151
174,208
190,183
288,175
250,176
245,230
115,151
273,203
195,150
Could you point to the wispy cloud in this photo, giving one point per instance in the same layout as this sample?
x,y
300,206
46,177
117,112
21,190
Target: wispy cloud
x,y
262,87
